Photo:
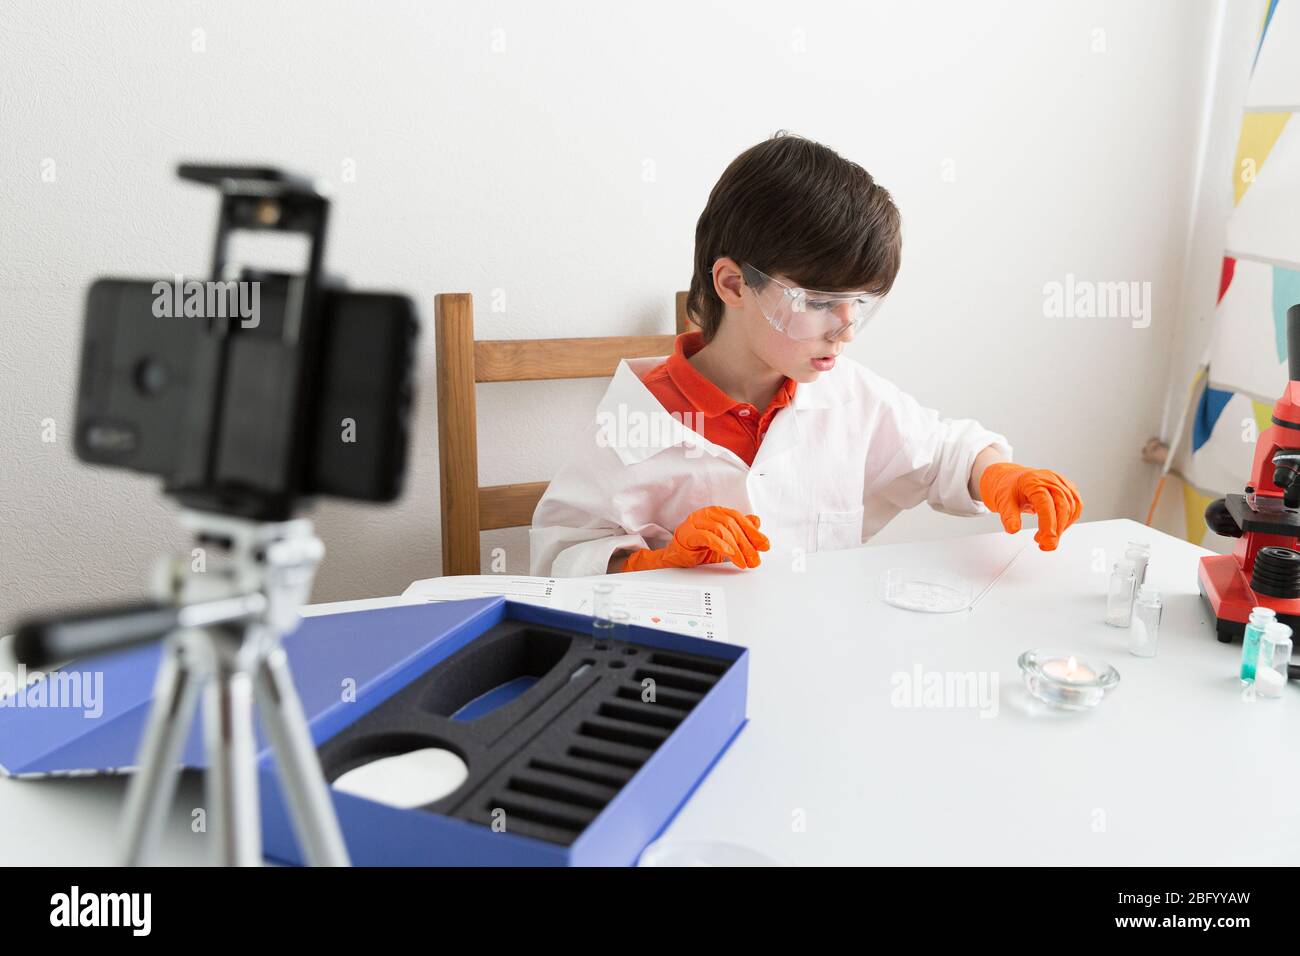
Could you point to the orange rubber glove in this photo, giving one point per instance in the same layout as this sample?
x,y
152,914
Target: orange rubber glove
x,y
1010,489
707,536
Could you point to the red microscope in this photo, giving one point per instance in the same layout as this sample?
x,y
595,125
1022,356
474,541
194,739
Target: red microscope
x,y
1264,567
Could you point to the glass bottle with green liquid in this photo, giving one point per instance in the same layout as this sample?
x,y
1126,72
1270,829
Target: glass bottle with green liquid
x,y
1260,618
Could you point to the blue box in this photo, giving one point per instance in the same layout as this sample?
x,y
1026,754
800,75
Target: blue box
x,y
379,653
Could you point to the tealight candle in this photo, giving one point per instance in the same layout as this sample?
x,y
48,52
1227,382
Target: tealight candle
x,y
1069,670
1066,682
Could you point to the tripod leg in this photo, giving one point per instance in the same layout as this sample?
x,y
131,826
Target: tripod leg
x,y
310,807
235,827
150,791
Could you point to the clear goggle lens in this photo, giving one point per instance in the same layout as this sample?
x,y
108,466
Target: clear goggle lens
x,y
804,314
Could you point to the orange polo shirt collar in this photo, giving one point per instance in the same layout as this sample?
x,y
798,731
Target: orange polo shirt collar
x,y
703,394
682,389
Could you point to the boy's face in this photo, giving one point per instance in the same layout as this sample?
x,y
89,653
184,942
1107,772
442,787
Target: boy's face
x,y
801,360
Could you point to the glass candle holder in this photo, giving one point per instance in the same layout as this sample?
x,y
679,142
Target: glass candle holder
x,y
1067,681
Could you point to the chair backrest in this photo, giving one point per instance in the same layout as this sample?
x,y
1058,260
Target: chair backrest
x,y
463,362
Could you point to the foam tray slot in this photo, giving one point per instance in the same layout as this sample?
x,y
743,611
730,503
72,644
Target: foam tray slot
x,y
551,724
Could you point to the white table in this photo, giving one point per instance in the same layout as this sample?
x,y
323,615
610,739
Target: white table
x,y
1173,768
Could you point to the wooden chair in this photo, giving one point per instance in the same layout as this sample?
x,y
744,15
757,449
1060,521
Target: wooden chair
x,y
463,361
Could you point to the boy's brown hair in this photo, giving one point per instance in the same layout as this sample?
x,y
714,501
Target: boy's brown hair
x,y
795,207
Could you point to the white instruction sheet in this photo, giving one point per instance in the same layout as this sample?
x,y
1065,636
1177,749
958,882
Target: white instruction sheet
x,y
682,608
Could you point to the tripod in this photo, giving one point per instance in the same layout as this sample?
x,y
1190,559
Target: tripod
x,y
225,649
232,417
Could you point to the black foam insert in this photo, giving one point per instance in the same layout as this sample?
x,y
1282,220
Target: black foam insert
x,y
552,757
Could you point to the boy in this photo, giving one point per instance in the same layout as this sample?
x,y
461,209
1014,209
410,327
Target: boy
x,y
758,419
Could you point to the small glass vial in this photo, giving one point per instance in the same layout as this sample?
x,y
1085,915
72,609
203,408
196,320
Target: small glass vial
x,y
1119,596
1145,629
1274,656
602,603
1139,552
1260,618
620,620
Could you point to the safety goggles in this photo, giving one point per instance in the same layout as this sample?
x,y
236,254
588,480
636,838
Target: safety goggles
x,y
804,314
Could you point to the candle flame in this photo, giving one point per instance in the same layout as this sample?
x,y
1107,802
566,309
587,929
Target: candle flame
x,y
1071,666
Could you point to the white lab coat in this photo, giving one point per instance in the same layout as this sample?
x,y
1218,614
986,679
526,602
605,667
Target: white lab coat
x,y
836,465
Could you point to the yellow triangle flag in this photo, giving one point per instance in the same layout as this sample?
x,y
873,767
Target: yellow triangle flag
x,y
1259,132
1263,414
1194,505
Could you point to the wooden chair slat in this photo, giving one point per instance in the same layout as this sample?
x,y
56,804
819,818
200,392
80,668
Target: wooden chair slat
x,y
466,508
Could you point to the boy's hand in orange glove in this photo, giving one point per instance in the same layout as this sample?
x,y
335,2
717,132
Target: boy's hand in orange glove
x,y
707,536
1011,489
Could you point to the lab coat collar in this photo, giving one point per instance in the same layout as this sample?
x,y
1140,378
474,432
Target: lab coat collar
x,y
830,390
633,422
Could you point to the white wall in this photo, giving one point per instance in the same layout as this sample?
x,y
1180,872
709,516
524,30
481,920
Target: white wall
x,y
1235,39
524,170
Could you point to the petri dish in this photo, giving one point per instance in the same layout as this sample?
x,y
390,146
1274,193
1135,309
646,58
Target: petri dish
x,y
931,592
702,853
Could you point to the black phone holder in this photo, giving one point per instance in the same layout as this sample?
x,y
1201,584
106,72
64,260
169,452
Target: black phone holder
x,y
260,198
